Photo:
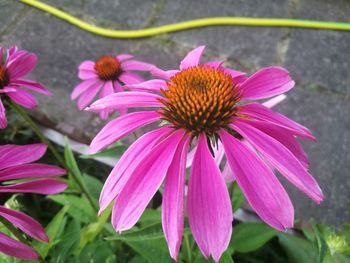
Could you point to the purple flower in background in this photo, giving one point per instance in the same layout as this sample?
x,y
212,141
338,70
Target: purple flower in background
x,y
16,163
106,75
200,108
13,67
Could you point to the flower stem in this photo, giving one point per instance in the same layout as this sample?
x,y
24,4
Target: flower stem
x,y
188,249
56,154
38,132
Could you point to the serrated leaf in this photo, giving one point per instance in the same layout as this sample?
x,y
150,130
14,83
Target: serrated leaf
x,y
52,230
79,207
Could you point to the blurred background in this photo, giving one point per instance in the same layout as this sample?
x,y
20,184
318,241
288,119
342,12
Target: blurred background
x,y
318,60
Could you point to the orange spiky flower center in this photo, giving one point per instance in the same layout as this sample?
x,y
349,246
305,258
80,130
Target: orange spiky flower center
x,y
200,99
108,68
4,77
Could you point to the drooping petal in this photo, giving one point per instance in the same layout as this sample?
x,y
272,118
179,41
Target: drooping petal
x,y
84,86
136,65
274,101
281,158
30,171
121,127
192,58
16,249
164,74
150,85
238,76
208,204
12,155
25,223
3,119
32,85
266,83
285,137
173,199
129,78
122,100
23,98
260,186
41,186
144,183
127,164
119,88
86,98
260,112
122,57
107,89
228,174
87,70
22,65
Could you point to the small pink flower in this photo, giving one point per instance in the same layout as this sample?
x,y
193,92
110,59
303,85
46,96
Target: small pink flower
x,y
13,68
106,75
16,163
199,106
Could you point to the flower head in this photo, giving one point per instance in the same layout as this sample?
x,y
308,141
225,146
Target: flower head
x,y
13,67
106,75
201,106
16,163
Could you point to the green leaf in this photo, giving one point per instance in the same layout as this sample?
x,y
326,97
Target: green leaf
x,y
298,249
53,230
115,152
79,208
93,185
237,197
322,246
226,258
248,237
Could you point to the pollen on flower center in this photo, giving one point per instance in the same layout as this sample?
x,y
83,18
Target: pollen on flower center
x,y
108,68
200,99
4,77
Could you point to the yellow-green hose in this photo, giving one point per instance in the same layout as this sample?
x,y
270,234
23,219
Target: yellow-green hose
x,y
203,22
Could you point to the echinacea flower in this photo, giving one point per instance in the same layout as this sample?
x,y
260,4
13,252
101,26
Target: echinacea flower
x,y
106,75
16,163
13,67
199,105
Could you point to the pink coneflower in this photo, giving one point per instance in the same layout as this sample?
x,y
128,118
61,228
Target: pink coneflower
x,y
199,106
13,67
107,75
16,163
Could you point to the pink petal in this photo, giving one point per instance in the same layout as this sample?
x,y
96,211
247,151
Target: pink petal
x,y
208,204
192,58
238,76
136,65
129,78
122,57
25,223
42,186
285,137
121,127
107,89
30,171
1,55
173,199
3,119
144,183
127,164
22,65
281,158
150,85
228,174
84,86
260,112
118,88
215,64
13,155
32,85
266,83
23,98
157,72
122,100
16,249
259,185
87,70
274,101
86,98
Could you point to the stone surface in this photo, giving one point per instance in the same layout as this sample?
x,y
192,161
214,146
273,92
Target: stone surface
x,y
318,60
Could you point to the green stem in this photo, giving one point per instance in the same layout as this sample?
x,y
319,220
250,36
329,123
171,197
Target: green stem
x,y
14,231
38,132
188,249
56,154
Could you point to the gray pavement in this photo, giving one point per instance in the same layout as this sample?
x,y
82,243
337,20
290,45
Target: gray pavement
x,y
318,60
